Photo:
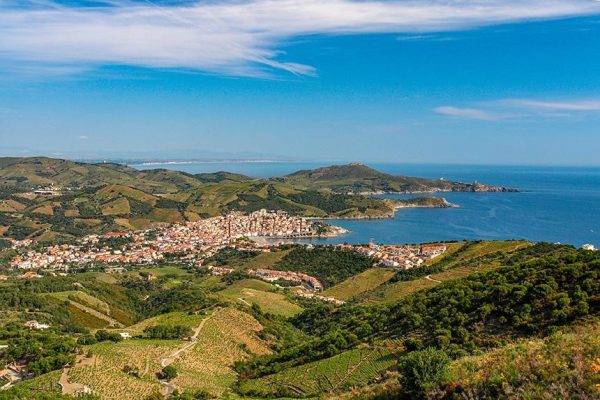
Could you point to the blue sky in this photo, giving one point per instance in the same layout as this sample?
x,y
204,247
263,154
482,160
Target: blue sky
x,y
486,82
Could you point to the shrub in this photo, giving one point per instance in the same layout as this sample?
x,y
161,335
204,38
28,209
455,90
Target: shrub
x,y
422,370
169,373
103,335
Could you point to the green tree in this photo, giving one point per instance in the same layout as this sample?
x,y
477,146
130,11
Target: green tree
x,y
169,373
422,370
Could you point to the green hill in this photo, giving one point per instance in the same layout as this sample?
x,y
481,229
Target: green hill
x,y
222,176
95,198
537,290
359,178
524,324
28,173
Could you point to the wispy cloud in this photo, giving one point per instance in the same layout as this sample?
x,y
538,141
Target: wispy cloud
x,y
470,113
522,108
241,37
578,105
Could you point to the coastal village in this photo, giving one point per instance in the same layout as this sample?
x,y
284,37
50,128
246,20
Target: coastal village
x,y
195,241
192,243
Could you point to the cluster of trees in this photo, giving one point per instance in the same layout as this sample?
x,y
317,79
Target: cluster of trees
x,y
104,336
42,352
329,266
181,298
167,331
230,256
534,296
328,202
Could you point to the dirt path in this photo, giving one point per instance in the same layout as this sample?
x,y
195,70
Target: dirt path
x,y
111,321
69,388
171,387
244,301
193,340
428,277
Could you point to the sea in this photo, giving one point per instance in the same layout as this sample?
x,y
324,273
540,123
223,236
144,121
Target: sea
x,y
555,204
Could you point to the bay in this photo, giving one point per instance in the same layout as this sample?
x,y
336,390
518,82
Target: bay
x,y
555,204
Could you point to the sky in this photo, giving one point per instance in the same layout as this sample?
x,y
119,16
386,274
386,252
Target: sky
x,y
438,81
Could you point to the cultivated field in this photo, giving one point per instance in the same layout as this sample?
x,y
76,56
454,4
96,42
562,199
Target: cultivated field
x,y
46,383
228,336
357,284
352,368
105,374
263,294
458,264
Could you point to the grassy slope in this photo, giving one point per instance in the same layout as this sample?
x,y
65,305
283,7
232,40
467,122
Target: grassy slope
x,y
252,291
564,365
169,319
349,369
459,263
358,284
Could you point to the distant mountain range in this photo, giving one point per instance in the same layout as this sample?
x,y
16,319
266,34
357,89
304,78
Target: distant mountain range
x,y
107,196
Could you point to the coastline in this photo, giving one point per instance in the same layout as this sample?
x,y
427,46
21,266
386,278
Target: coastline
x,y
487,189
394,208
334,231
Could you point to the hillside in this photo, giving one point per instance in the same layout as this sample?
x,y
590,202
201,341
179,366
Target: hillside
x,y
537,290
359,178
494,330
95,198
222,176
24,174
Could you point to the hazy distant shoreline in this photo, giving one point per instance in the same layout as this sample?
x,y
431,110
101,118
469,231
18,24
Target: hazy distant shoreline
x,y
151,163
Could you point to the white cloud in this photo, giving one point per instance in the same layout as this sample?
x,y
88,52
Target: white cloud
x,y
469,113
578,105
83,137
235,37
522,108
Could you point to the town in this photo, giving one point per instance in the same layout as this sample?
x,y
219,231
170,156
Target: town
x,y
195,241
191,241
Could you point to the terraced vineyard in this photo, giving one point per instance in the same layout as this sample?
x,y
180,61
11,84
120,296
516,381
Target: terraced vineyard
x,y
84,299
346,370
106,377
357,284
252,291
229,336
86,310
47,383
169,319
461,262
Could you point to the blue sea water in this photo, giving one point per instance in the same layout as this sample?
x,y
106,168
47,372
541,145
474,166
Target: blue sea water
x,y
556,204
